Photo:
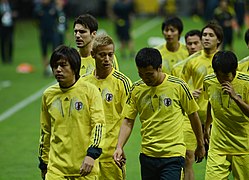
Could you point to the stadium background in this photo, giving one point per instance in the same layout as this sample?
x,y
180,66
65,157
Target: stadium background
x,y
20,93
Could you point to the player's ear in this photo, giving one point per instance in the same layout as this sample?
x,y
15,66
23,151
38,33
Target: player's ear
x,y
94,33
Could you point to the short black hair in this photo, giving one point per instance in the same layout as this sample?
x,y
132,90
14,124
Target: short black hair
x,y
69,54
88,21
225,61
173,21
194,32
216,28
148,57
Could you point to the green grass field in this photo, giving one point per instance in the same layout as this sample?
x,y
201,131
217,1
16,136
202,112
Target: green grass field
x,y
20,98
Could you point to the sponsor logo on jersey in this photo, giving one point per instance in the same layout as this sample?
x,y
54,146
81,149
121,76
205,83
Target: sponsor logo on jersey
x,y
78,105
167,101
108,97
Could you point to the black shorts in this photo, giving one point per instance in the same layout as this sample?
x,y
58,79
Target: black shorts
x,y
161,168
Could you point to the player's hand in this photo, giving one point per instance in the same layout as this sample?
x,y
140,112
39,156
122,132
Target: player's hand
x,y
196,93
199,153
119,157
43,173
228,88
87,166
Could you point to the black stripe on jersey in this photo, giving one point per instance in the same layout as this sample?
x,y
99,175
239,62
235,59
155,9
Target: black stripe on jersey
x,y
137,83
124,79
243,76
183,84
210,76
97,135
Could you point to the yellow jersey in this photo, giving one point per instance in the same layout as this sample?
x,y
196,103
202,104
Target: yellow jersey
x,y
230,126
170,58
243,65
72,120
197,68
114,91
161,110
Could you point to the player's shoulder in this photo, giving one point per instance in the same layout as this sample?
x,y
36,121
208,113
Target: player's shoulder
x,y
119,75
209,78
137,84
176,80
244,60
52,89
242,76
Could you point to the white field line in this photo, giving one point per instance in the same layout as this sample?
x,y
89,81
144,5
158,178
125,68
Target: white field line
x,y
23,103
136,33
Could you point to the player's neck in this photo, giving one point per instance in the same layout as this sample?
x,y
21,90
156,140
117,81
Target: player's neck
x,y
210,51
173,47
85,51
102,73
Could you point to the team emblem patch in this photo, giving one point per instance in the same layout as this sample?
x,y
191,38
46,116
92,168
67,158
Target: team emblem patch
x,y
78,105
109,97
167,101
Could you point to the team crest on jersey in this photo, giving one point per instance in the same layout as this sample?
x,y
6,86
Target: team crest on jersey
x,y
78,105
167,101
108,97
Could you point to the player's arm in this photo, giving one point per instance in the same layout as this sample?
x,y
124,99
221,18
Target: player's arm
x,y
44,145
244,107
208,124
124,134
196,126
94,151
96,138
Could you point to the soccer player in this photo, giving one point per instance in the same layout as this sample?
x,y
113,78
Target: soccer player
x,y
197,67
123,11
224,15
46,14
227,92
85,29
72,120
243,65
193,44
114,87
160,99
172,51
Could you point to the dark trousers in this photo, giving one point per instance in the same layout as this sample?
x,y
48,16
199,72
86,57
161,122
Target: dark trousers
x,y
7,44
161,168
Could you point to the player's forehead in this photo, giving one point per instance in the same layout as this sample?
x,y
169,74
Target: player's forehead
x,y
80,27
208,30
193,38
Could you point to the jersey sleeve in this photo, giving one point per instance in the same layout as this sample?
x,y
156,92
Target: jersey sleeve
x,y
187,100
97,119
44,146
130,109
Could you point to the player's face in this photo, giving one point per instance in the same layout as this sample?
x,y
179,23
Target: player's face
x,y
171,34
64,73
103,56
82,36
150,76
224,77
209,39
193,44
